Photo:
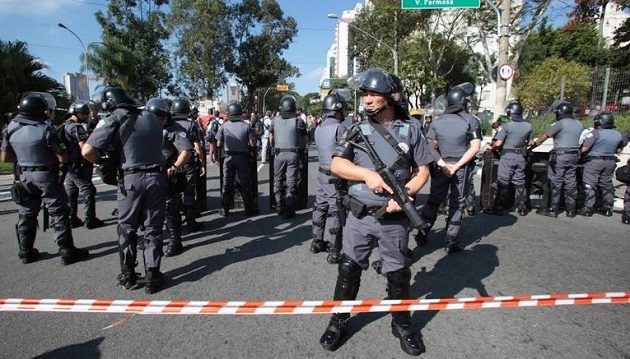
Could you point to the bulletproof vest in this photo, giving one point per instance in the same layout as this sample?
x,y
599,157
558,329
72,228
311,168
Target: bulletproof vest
x,y
518,133
30,146
452,133
144,145
569,135
326,140
169,152
285,134
235,136
606,143
400,130
74,151
188,127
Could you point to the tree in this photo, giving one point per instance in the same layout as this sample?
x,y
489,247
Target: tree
x,y
311,103
542,86
202,44
132,54
20,73
620,50
261,34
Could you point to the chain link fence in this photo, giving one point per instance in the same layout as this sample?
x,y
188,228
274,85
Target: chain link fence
x,y
610,90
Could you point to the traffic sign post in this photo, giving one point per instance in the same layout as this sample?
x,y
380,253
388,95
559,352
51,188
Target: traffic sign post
x,y
506,71
438,4
282,87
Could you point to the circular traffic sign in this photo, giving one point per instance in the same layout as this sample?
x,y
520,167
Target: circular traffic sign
x,y
506,71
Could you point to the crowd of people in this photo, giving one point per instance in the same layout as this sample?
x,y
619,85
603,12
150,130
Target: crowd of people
x,y
369,172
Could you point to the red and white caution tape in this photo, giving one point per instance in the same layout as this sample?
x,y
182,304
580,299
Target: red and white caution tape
x,y
304,307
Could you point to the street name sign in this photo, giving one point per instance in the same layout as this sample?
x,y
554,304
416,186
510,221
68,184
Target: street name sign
x,y
438,4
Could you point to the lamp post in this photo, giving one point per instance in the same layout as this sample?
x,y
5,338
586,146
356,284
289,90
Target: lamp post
x,y
380,42
85,57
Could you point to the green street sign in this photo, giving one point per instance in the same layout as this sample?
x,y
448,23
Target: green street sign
x,y
438,4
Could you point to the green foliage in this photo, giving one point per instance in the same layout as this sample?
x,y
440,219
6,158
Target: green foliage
x,y
132,54
620,50
577,42
541,123
6,168
202,45
311,103
542,85
261,34
20,72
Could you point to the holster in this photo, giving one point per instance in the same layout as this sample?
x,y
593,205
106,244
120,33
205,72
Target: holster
x,y
177,183
19,193
553,158
358,208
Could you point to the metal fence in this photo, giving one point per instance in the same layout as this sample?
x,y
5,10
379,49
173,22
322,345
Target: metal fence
x,y
610,90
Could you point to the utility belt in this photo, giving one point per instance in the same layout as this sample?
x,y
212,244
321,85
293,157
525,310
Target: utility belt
x,y
360,210
36,168
281,150
233,153
607,158
518,151
134,170
325,171
567,151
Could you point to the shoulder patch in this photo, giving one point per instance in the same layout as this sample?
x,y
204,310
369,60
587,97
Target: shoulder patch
x,y
589,135
100,123
182,134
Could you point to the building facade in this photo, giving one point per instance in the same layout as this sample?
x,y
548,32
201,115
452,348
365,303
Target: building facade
x,y
76,86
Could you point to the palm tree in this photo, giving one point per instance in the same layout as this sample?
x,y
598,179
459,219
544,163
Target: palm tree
x,y
20,72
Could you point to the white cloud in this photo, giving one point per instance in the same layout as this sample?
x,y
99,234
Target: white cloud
x,y
314,74
40,8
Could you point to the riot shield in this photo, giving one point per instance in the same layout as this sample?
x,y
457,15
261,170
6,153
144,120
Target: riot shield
x,y
301,196
489,189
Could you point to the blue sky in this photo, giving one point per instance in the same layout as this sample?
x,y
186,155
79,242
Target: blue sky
x,y
35,22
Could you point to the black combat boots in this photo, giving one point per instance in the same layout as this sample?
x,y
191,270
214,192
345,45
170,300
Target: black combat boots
x,y
452,245
398,288
155,281
549,212
76,222
522,211
625,218
497,206
191,224
69,253
586,212
91,221
348,282
319,245
174,231
26,240
571,213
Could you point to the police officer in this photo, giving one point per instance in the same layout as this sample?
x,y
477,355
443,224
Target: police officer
x,y
288,137
176,150
512,140
79,177
454,140
368,191
142,183
325,211
39,152
601,147
237,140
196,167
563,160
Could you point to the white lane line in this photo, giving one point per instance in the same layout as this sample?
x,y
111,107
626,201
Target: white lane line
x,y
260,166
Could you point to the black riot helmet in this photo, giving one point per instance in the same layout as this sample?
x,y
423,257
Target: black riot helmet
x,y
378,81
514,108
456,99
158,106
399,92
113,97
606,120
288,106
332,102
33,105
181,108
563,110
235,111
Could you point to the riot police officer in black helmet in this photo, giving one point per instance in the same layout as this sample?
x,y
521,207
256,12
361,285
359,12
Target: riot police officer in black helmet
x,y
141,183
375,217
325,209
600,147
237,140
512,140
563,159
287,137
79,177
181,112
454,139
176,150
39,153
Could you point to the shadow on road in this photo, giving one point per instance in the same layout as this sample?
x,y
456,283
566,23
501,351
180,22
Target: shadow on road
x,y
87,350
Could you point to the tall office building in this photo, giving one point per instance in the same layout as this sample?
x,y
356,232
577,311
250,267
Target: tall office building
x,y
76,85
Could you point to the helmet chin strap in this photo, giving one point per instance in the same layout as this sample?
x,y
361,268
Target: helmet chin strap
x,y
374,113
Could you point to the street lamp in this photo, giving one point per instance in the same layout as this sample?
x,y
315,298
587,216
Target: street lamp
x,y
380,42
85,57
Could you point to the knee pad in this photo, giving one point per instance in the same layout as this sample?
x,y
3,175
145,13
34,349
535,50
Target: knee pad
x,y
28,221
348,268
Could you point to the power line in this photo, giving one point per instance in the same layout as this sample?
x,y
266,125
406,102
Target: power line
x,y
89,3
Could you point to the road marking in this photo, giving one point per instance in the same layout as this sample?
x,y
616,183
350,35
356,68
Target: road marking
x,y
260,166
302,307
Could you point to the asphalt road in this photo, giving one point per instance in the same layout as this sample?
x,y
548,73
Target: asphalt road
x,y
267,258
